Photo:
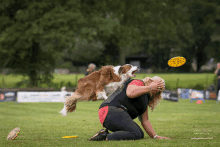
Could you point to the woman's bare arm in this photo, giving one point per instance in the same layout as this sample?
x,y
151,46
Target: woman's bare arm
x,y
146,124
134,91
148,127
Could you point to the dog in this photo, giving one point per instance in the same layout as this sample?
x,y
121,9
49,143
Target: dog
x,y
111,87
98,85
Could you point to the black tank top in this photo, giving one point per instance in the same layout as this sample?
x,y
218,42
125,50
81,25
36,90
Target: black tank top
x,y
134,106
218,73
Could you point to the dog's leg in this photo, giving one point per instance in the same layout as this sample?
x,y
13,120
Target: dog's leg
x,y
64,107
111,88
120,84
64,111
101,95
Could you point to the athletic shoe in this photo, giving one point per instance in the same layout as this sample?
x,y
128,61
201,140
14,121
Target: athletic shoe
x,y
101,135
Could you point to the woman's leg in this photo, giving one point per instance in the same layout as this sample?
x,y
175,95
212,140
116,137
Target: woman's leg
x,y
121,124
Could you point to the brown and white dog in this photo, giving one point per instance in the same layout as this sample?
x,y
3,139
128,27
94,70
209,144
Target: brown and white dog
x,y
99,84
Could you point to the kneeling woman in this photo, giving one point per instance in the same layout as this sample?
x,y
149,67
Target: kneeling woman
x,y
118,111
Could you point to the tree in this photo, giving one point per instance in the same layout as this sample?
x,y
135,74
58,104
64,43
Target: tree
x,y
203,21
84,51
35,33
213,49
115,22
192,23
167,33
152,22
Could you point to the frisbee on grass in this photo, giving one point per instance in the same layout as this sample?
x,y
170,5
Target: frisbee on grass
x,y
69,136
176,61
13,134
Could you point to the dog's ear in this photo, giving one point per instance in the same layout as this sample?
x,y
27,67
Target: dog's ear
x,y
120,70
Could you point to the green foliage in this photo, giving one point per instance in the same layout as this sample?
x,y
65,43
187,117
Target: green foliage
x,y
37,36
39,33
202,17
198,87
215,80
85,51
67,65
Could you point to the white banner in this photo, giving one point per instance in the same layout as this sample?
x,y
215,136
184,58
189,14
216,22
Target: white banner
x,y
56,96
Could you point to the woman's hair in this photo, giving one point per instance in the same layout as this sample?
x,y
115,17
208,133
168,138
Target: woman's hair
x,y
155,95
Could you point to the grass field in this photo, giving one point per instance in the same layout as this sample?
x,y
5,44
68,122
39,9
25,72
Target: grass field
x,y
196,81
42,126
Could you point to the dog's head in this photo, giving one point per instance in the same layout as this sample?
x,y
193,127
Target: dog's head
x,y
126,71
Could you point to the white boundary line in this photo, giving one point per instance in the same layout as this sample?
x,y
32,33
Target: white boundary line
x,y
202,138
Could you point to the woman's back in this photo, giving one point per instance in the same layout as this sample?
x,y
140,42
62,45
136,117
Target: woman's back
x,y
134,106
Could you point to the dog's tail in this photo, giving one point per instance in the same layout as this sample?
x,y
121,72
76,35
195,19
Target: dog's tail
x,y
70,102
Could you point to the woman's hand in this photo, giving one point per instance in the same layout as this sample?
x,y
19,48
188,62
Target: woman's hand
x,y
158,85
160,137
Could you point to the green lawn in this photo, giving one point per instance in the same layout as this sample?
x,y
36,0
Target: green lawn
x,y
185,80
41,125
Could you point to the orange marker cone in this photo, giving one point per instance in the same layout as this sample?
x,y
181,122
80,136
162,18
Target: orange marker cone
x,y
199,102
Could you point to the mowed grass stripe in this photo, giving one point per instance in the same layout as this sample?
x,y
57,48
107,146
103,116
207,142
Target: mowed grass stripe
x,y
42,125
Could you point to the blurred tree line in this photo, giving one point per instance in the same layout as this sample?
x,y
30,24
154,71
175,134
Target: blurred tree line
x,y
39,35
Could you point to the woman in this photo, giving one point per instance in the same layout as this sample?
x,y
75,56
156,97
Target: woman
x,y
118,111
217,72
91,68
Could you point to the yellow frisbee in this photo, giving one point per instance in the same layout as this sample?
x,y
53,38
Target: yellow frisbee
x,y
69,136
176,61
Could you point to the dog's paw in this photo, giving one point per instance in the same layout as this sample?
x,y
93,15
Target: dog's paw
x,y
105,97
62,110
99,96
64,113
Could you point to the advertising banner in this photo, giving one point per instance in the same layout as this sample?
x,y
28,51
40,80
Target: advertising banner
x,y
10,96
196,94
169,95
206,95
183,93
42,96
210,95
